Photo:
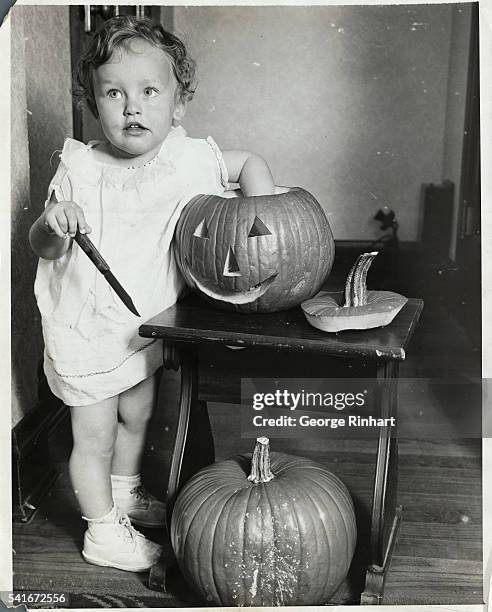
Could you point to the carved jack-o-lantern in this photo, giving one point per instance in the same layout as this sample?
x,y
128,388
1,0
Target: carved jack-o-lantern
x,y
255,254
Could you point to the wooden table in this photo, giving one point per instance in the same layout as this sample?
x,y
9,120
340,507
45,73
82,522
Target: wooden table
x,y
195,338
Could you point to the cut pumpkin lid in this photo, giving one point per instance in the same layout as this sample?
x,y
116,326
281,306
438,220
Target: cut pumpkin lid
x,y
327,311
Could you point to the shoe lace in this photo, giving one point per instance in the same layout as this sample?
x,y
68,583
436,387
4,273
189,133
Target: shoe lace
x,y
141,494
130,531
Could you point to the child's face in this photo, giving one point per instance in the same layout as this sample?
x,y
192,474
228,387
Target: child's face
x,y
135,94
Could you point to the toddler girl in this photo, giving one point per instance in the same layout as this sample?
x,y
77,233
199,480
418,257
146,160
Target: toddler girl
x,y
127,192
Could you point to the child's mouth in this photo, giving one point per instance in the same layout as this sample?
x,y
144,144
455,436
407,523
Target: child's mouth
x,y
134,127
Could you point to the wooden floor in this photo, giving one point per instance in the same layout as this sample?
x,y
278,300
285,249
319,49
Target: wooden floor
x,y
438,557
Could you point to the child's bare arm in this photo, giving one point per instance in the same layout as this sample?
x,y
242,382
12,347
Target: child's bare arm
x,y
251,172
50,233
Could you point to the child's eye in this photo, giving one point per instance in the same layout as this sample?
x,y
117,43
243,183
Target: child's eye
x,y
113,93
150,91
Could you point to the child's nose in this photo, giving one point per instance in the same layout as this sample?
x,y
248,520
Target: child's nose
x,y
132,106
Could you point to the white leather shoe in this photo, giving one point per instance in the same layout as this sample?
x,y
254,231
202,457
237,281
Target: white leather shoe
x,y
118,544
141,506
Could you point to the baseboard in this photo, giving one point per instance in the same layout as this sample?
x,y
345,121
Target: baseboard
x,y
33,471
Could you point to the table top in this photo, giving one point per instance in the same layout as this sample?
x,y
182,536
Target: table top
x,y
194,320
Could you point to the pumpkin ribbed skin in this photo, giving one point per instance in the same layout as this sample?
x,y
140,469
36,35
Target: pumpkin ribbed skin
x,y
294,258
286,542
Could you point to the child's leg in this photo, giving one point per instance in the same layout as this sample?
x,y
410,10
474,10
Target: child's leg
x,y
94,431
109,540
135,408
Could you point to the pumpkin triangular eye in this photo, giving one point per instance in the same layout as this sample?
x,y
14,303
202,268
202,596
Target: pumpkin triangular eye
x,y
231,267
258,229
201,230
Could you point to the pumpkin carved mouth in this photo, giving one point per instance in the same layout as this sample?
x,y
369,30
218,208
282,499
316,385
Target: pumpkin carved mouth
x,y
233,297
250,254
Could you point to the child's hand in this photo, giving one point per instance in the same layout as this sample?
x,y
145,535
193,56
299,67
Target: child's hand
x,y
64,219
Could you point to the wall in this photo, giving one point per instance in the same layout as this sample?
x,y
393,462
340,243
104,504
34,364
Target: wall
x,y
348,102
41,118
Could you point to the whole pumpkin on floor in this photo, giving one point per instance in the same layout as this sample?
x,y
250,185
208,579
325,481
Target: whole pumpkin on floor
x,y
264,531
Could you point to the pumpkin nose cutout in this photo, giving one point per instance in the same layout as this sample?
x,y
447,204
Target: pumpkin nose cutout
x,y
231,267
258,229
201,230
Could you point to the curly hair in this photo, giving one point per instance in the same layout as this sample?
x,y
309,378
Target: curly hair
x,y
116,32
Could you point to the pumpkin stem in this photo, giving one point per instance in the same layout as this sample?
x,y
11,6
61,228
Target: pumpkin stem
x,y
355,285
260,462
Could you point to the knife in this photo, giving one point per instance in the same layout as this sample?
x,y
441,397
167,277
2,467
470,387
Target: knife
x,y
85,243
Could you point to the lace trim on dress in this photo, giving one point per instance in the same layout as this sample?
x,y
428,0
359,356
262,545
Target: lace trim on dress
x,y
125,359
92,144
176,132
80,160
224,176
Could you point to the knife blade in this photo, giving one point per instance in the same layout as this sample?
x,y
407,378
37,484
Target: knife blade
x,y
86,244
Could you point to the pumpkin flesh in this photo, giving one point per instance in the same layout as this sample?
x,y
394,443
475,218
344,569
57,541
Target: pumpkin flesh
x,y
357,308
326,311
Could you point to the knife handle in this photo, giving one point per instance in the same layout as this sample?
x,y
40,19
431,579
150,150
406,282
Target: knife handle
x,y
85,243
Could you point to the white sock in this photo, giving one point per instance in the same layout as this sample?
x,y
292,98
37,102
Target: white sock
x,y
121,484
108,517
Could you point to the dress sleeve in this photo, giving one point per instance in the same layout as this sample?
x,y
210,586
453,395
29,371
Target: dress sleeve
x,y
73,170
60,184
224,176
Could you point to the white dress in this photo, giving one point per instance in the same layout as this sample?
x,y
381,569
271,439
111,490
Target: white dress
x,y
92,347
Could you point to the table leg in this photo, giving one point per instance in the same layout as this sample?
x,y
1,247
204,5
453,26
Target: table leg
x,y
386,515
193,446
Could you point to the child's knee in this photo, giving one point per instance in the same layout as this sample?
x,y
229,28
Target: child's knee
x,y
138,418
98,441
137,404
